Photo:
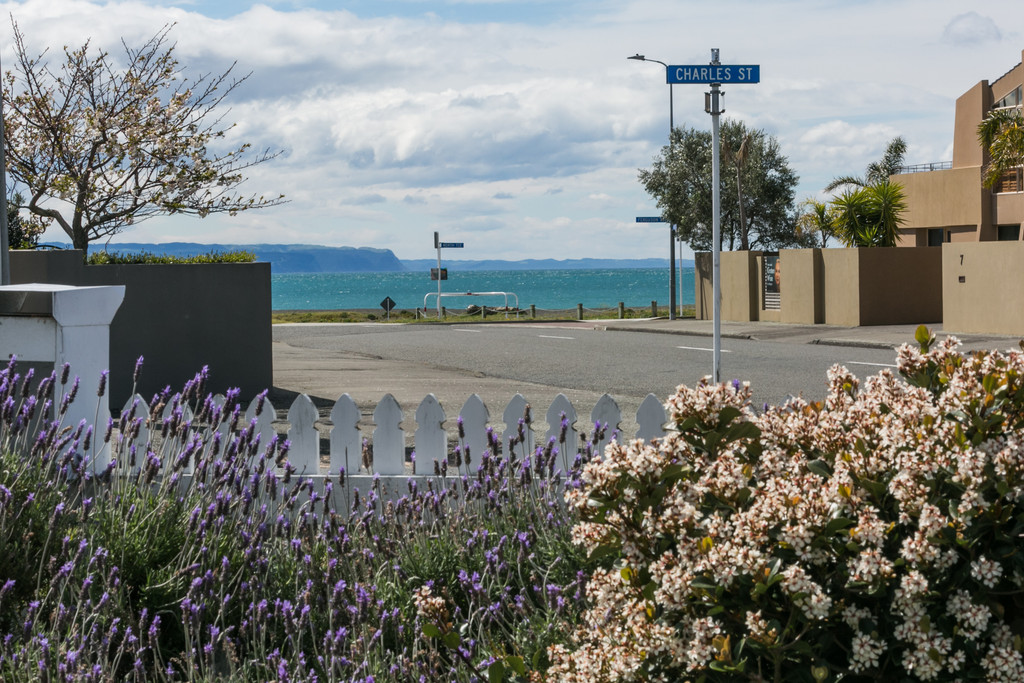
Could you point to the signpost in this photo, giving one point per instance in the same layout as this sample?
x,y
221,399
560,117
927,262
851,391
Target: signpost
x,y
715,74
387,305
440,273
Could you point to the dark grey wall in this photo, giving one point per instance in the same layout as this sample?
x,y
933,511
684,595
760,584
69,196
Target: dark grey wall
x,y
179,317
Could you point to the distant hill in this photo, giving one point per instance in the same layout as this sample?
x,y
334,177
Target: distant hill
x,y
284,258
312,258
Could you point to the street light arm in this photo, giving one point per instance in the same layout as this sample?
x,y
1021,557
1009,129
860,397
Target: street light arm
x,y
672,228
641,58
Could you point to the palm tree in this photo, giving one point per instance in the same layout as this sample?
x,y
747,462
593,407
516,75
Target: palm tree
x,y
877,171
739,158
816,217
1002,135
869,216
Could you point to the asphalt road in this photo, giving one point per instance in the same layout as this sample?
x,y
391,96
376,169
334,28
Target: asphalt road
x,y
539,361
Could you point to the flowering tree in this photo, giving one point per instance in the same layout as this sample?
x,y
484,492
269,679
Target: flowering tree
x,y
874,536
97,148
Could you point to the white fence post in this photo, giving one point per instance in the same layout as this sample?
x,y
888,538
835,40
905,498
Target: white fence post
x,y
431,439
63,324
388,438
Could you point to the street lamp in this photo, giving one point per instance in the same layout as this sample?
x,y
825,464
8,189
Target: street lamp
x,y
671,228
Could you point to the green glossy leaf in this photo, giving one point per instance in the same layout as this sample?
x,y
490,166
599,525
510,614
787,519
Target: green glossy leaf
x,y
517,665
431,631
496,672
821,468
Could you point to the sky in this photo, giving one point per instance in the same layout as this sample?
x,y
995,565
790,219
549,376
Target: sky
x,y
518,127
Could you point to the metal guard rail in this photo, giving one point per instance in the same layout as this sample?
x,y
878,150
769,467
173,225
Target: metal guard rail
x,y
444,294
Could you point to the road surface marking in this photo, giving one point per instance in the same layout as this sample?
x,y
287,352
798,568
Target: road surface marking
x,y
877,365
456,329
549,336
699,348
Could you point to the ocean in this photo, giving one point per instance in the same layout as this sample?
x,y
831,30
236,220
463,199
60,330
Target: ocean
x,y
545,289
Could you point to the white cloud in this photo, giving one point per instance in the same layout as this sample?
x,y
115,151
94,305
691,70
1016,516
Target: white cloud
x,y
972,28
525,135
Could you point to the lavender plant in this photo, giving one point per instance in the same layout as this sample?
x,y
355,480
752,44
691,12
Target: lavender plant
x,y
196,554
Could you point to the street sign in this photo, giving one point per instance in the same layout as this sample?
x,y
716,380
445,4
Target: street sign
x,y
388,304
714,73
649,219
451,245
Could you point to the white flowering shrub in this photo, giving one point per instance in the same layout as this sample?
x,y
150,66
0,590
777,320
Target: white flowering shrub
x,y
875,536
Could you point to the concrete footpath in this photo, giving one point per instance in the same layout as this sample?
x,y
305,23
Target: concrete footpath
x,y
877,336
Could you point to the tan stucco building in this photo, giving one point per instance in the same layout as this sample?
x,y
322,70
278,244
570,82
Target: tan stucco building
x,y
946,202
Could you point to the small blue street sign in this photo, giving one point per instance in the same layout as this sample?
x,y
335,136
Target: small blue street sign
x,y
451,245
714,73
649,219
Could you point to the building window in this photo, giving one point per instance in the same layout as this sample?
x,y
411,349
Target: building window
x,y
1008,233
1011,100
935,237
1012,181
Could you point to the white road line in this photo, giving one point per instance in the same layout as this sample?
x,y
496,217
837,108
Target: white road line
x,y
698,348
456,329
549,336
877,365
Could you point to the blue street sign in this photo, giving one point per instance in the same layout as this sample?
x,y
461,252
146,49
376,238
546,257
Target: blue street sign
x,y
714,73
451,245
649,219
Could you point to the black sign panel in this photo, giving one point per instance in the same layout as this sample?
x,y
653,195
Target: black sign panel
x,y
388,304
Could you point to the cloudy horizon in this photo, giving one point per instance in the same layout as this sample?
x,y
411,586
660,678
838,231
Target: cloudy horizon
x,y
518,128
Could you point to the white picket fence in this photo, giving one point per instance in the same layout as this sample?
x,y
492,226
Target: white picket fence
x,y
431,437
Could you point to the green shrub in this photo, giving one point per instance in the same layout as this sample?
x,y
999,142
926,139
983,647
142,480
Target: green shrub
x,y
104,258
871,537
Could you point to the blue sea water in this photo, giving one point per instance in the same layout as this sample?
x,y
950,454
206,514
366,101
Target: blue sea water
x,y
545,289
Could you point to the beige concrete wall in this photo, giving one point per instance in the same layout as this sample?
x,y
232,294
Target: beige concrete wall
x,y
801,286
983,288
840,272
740,285
939,199
1002,86
702,285
970,110
1008,209
900,286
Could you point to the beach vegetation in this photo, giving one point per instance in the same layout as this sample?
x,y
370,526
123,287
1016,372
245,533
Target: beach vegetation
x,y
97,147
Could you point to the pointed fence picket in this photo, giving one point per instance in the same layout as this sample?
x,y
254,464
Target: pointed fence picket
x,y
387,445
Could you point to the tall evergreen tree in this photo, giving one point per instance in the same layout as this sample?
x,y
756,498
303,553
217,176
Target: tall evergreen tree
x,y
680,180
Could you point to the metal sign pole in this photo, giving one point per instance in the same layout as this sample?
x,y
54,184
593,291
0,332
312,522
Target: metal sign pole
x,y
437,243
716,226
